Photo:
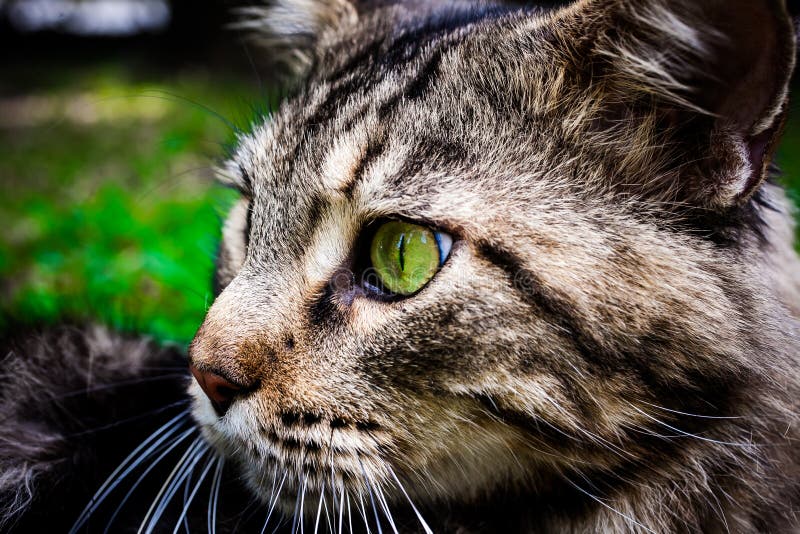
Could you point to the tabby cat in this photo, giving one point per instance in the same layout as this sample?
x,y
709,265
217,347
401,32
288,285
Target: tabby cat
x,y
495,268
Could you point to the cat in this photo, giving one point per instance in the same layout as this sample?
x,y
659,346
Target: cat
x,y
495,268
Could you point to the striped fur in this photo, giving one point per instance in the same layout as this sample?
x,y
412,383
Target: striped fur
x,y
613,344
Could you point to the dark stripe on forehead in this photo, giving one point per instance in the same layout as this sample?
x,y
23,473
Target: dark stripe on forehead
x,y
370,65
416,85
375,149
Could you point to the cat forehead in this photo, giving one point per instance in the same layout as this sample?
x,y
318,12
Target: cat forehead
x,y
421,116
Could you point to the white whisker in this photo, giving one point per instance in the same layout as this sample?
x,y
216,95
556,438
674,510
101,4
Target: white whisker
x,y
371,496
602,503
381,498
273,503
133,460
188,501
341,510
213,497
147,524
363,511
139,480
688,434
422,521
319,509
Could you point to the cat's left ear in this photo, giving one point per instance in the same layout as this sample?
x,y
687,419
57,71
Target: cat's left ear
x,y
719,70
290,31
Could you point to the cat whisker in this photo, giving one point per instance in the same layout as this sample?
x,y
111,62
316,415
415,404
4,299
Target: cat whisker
x,y
402,489
112,385
528,439
319,509
602,503
381,498
213,496
297,517
693,414
294,513
371,496
341,510
332,481
422,521
363,511
276,496
689,434
349,515
191,496
127,420
186,490
133,460
172,181
331,526
139,480
303,504
182,469
160,94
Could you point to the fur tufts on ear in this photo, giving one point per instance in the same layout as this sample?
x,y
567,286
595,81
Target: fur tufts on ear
x,y
718,71
290,30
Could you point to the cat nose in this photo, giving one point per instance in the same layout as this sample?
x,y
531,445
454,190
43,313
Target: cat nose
x,y
221,391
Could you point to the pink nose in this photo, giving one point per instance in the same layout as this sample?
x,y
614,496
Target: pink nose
x,y
220,390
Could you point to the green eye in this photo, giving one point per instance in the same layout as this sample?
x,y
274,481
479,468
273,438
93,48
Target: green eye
x,y
406,256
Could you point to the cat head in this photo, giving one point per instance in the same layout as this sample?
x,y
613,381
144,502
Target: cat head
x,y
578,196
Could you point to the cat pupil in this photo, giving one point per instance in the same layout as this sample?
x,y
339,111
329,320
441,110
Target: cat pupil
x,y
402,251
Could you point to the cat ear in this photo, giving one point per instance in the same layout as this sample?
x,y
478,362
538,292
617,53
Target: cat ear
x,y
718,71
290,30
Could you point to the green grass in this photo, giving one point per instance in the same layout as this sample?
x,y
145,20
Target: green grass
x,y
109,207
109,197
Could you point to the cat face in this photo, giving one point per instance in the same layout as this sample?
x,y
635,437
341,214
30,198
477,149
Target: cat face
x,y
598,173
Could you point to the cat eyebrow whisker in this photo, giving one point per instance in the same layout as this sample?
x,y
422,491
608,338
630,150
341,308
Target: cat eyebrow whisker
x,y
601,502
689,434
693,414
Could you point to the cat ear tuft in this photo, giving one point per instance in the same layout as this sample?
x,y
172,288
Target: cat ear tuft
x,y
290,30
720,66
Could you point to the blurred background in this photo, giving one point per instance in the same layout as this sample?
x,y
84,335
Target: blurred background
x,y
112,115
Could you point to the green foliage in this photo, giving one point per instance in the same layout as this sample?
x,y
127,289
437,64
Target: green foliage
x,y
109,201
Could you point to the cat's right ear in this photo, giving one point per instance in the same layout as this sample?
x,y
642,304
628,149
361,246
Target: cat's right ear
x,y
292,30
713,75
